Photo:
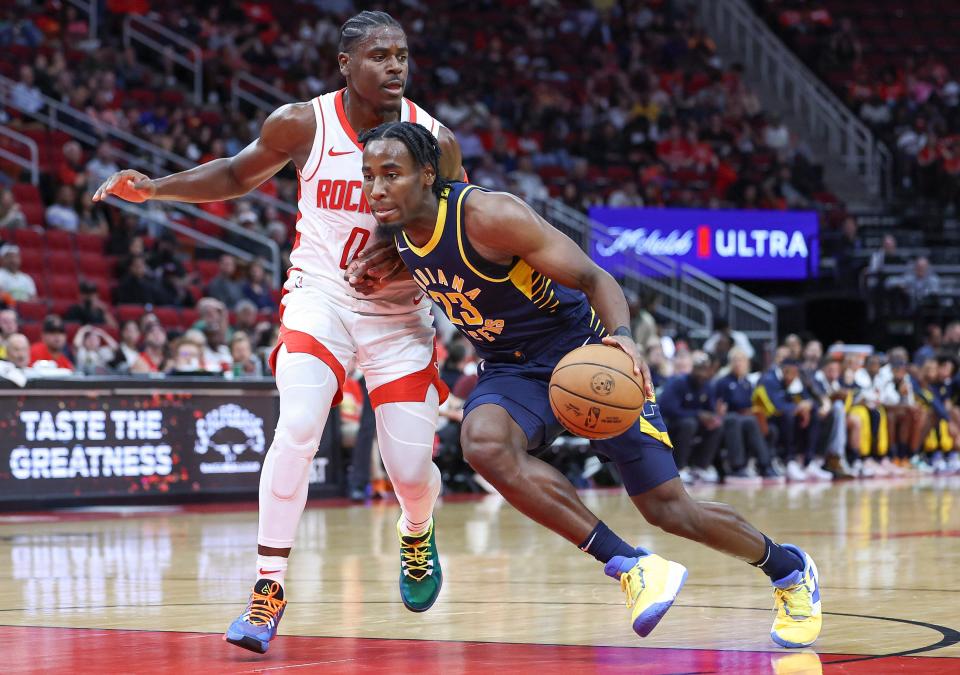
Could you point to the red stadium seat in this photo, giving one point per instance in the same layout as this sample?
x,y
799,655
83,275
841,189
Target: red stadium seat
x,y
188,317
28,238
59,306
129,312
95,266
169,317
62,262
64,287
207,269
59,240
72,327
90,243
32,311
32,262
32,330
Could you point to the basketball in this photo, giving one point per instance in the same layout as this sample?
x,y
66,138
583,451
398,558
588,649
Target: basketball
x,y
594,393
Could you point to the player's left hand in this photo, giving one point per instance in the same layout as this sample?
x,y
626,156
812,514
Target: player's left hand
x,y
639,365
374,267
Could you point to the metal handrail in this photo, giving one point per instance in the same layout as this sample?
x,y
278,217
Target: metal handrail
x,y
240,90
93,16
136,28
33,164
735,24
148,214
63,117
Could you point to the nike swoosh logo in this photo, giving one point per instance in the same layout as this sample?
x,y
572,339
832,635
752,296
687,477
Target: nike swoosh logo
x,y
333,153
418,300
401,249
263,571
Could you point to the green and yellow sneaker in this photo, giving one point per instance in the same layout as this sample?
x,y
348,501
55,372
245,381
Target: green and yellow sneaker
x,y
420,573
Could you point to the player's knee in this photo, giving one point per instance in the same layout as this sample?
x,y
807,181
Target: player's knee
x,y
289,457
300,426
484,449
673,516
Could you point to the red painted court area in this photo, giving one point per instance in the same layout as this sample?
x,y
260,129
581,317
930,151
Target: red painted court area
x,y
74,650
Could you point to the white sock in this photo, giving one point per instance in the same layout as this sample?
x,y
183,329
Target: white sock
x,y
408,528
272,567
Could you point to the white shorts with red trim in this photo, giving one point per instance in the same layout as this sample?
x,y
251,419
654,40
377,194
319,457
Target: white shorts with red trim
x,y
395,352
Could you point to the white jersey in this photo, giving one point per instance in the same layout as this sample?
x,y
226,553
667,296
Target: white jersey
x,y
334,221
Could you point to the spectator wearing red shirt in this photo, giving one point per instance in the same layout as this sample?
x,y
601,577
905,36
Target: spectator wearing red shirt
x,y
53,340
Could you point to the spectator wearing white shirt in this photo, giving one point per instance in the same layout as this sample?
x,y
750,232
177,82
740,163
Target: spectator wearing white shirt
x,y
19,285
62,214
25,95
101,167
721,328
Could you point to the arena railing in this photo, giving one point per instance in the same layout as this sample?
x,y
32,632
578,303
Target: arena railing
x,y
33,163
251,89
690,297
735,26
146,32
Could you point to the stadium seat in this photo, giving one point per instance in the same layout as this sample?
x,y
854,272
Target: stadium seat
x,y
169,317
32,330
188,317
32,311
90,243
29,238
129,312
64,287
61,261
95,266
59,240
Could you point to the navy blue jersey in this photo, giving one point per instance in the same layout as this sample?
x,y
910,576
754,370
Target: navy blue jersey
x,y
509,312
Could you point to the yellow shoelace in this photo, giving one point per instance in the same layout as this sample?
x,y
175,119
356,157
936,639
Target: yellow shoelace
x,y
264,608
797,601
632,584
415,557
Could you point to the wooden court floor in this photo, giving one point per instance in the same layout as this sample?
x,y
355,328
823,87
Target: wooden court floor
x,y
151,590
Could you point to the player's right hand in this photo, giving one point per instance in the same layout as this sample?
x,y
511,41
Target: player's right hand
x,y
129,185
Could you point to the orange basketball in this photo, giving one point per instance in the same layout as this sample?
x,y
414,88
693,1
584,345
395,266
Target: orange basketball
x,y
594,393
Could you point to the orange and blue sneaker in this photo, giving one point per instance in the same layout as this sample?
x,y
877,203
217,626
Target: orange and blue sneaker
x,y
420,573
258,624
651,584
797,601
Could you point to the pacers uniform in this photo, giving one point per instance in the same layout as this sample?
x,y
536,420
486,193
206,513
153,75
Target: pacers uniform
x,y
389,335
521,324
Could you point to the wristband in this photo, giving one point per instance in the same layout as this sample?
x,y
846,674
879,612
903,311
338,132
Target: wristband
x,y
623,331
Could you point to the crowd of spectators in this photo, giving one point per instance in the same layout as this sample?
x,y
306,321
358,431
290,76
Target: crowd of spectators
x,y
892,66
625,103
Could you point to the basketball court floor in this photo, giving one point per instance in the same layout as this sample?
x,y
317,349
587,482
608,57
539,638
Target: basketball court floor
x,y
151,590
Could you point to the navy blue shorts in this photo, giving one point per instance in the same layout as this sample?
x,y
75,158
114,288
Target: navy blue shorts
x,y
643,453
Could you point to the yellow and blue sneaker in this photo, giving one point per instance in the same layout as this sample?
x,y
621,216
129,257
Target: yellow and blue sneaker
x,y
258,624
651,584
797,601
420,573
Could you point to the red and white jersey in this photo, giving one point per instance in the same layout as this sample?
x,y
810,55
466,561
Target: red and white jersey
x,y
334,221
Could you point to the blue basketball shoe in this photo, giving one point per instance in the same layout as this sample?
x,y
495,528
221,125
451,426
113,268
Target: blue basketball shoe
x,y
651,584
258,624
797,599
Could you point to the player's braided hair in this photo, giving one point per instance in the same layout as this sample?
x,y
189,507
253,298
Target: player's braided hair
x,y
419,141
356,27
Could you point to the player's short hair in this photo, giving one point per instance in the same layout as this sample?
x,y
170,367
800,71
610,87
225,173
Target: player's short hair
x,y
356,27
423,145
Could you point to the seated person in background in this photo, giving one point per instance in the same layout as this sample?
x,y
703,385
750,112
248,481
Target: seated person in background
x,y
248,321
840,397
936,437
216,355
874,441
691,410
225,287
721,329
11,216
18,350
18,285
129,348
154,355
95,350
9,324
743,437
138,286
91,309
904,414
257,287
188,355
53,340
791,408
245,364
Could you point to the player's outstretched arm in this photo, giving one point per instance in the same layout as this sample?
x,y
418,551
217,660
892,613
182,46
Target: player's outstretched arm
x,y
501,226
287,129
